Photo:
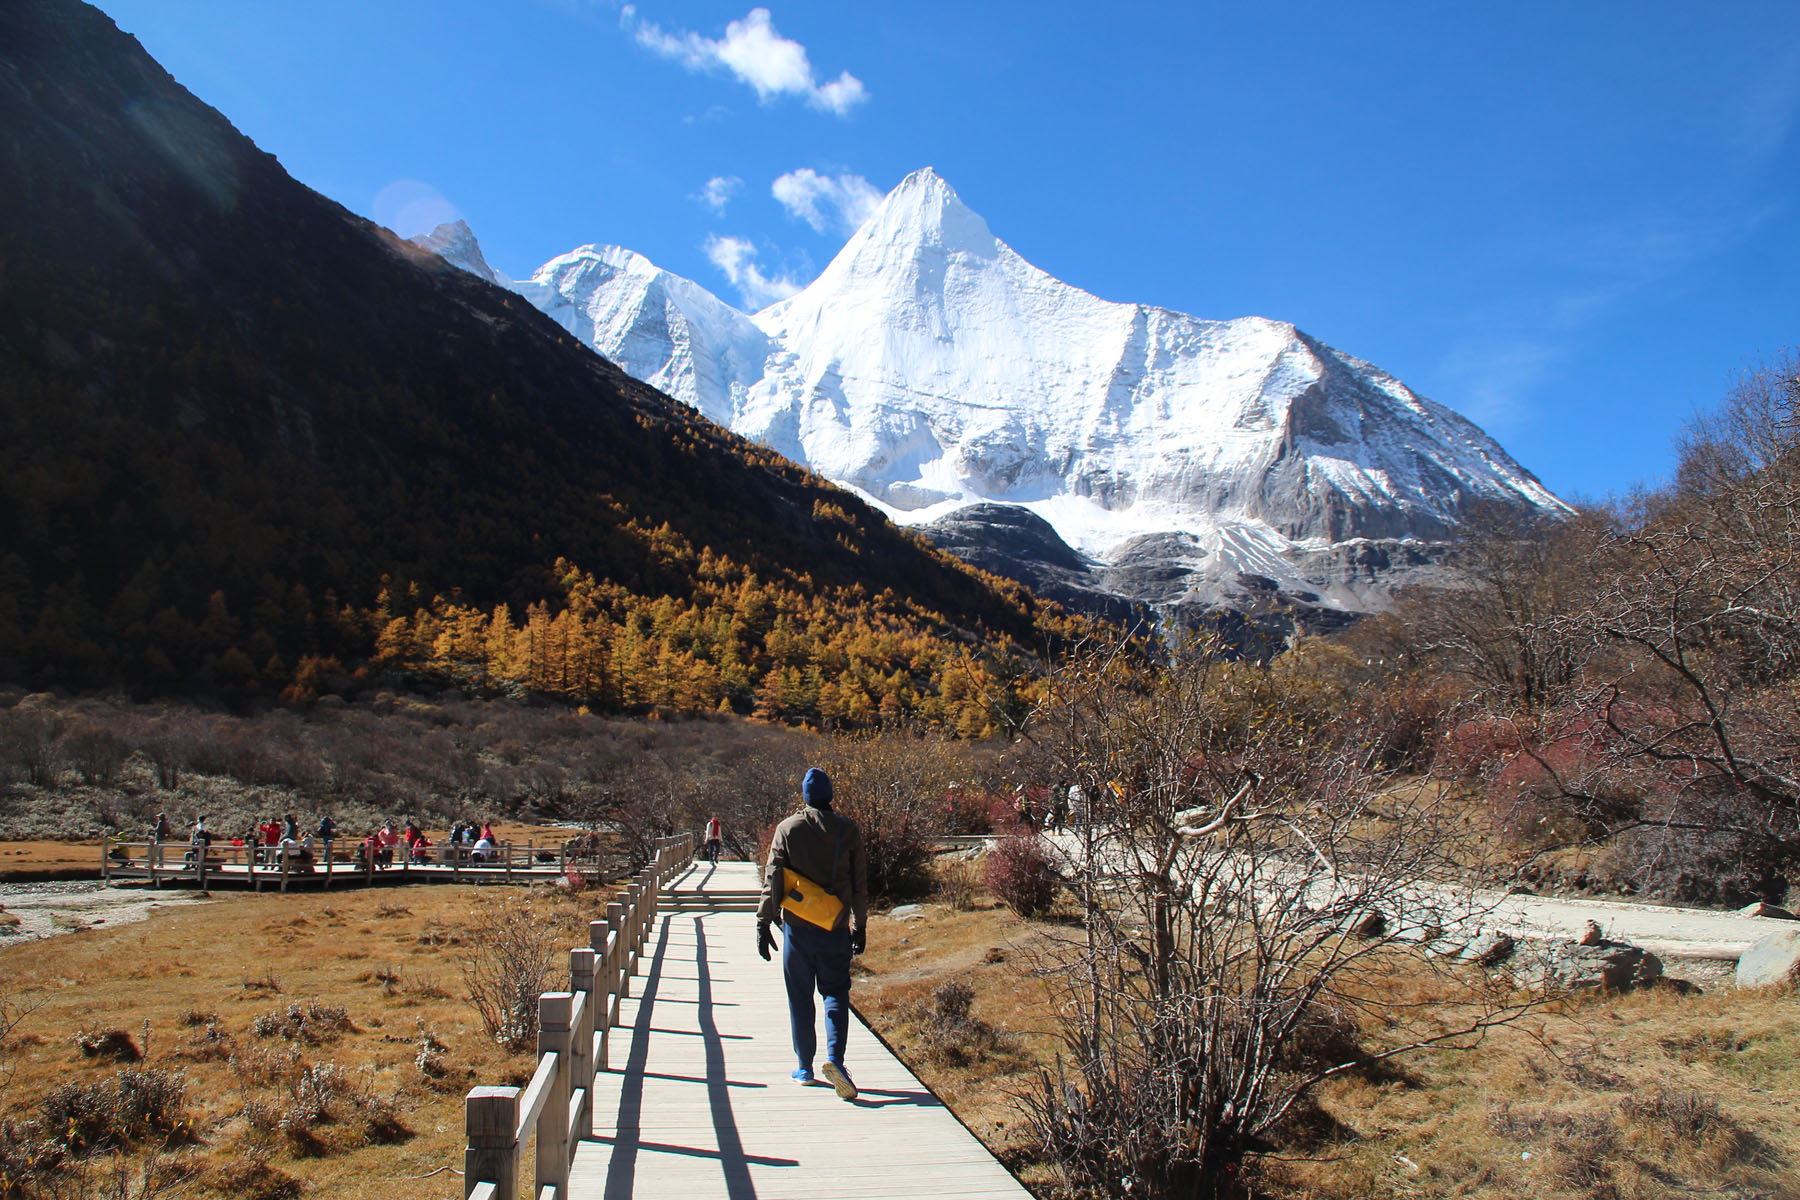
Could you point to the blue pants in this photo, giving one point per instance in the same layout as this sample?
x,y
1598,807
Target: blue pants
x,y
813,957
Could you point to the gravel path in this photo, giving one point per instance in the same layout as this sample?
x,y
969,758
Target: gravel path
x,y
1669,932
1660,929
47,909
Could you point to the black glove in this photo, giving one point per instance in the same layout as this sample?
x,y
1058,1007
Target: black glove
x,y
765,939
859,941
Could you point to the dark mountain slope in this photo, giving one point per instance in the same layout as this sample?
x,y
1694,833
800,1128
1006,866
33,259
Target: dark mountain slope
x,y
229,407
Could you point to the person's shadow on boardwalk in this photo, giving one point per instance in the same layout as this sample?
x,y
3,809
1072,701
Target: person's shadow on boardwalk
x,y
621,1169
880,1098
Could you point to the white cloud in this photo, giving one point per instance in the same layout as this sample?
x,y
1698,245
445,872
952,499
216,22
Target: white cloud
x,y
824,200
736,257
756,54
719,191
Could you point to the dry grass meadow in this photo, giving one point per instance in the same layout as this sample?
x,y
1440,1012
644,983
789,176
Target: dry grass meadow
x,y
1635,1097
321,1037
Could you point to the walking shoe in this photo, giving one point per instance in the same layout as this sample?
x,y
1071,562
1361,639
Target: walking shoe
x,y
838,1078
802,1076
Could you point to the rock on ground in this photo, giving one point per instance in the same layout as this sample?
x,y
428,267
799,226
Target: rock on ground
x,y
1772,960
1581,966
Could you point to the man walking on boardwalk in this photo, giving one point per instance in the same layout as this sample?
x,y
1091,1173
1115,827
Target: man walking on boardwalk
x,y
817,869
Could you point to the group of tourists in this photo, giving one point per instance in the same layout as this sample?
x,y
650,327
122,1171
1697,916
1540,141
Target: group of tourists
x,y
278,839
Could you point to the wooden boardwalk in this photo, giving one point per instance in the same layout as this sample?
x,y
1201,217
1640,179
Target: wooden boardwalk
x,y
697,1102
174,863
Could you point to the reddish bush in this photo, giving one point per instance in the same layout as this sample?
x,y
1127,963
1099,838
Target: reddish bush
x,y
1020,874
1404,716
1469,748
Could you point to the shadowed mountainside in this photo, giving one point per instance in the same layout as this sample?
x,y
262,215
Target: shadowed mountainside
x,y
233,414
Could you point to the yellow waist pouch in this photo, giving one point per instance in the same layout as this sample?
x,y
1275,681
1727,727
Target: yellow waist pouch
x,y
809,901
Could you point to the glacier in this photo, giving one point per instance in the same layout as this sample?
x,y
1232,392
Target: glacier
x,y
931,369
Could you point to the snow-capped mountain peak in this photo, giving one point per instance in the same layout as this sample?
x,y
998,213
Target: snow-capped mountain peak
x,y
929,366
455,243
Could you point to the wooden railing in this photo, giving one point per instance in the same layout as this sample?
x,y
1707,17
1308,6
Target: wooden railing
x,y
556,1108
270,864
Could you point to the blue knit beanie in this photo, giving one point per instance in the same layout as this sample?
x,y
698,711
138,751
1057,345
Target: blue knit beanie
x,y
816,788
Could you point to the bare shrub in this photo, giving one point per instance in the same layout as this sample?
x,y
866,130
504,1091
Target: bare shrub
x,y
143,1176
1689,1118
950,1031
95,753
265,984
262,1116
893,786
429,1058
167,741
210,1043
135,1105
1020,875
511,960
1234,829
28,744
27,1155
260,1066
956,884
252,1178
378,1122
15,1007
426,987
113,1044
309,1021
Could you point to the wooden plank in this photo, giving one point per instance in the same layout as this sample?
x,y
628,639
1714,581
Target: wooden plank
x,y
698,1103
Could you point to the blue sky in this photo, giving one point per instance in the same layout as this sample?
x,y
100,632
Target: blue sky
x,y
1575,223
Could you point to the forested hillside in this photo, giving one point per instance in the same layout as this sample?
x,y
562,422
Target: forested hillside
x,y
246,436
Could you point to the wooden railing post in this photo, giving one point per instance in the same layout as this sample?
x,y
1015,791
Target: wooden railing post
x,y
627,928
581,1041
555,1010
615,949
491,1120
646,908
606,987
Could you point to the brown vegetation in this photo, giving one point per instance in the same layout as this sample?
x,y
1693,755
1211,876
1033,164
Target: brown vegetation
x,y
348,1080
389,757
1592,1098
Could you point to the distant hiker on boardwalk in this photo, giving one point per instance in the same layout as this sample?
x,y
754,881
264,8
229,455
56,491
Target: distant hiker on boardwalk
x,y
713,839
198,841
159,832
818,880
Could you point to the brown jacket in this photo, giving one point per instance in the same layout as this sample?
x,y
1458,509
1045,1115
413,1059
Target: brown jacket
x,y
803,843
